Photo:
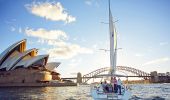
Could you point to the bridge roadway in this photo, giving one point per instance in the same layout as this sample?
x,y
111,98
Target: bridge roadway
x,y
96,73
137,73
72,78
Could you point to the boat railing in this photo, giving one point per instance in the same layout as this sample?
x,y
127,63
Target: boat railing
x,y
96,87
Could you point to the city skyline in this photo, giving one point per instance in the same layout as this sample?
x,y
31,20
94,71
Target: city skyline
x,y
71,32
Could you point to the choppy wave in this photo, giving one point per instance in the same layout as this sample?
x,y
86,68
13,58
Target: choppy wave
x,y
151,91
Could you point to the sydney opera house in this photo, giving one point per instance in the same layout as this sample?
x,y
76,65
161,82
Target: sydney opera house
x,y
21,66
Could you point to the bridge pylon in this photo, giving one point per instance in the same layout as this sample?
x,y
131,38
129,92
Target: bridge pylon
x,y
79,77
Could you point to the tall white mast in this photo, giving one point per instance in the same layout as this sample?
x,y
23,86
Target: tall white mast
x,y
113,43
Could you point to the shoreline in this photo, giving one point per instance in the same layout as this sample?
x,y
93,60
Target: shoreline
x,y
37,84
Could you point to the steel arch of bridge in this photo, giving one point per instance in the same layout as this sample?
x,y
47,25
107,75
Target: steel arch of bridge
x,y
137,72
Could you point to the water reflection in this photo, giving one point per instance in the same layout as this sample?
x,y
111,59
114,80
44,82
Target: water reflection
x,y
140,92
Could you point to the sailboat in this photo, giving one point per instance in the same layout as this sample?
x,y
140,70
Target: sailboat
x,y
101,95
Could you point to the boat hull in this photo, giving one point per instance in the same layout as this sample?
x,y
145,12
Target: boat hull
x,y
97,95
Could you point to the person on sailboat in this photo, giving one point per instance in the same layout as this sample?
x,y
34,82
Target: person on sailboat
x,y
119,83
112,83
115,84
101,87
105,87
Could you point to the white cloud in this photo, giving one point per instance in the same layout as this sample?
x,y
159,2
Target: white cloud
x,y
50,11
163,43
13,29
45,34
139,55
68,51
75,39
157,61
41,41
95,46
56,43
43,49
30,42
57,38
88,2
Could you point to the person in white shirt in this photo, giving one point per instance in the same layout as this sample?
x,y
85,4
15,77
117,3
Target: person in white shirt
x,y
112,83
101,87
119,83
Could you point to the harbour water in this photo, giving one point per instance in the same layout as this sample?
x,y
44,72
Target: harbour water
x,y
139,92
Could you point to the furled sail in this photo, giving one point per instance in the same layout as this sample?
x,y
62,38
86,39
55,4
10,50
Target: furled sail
x,y
113,43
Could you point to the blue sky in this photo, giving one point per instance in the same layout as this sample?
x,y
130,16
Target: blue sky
x,y
71,32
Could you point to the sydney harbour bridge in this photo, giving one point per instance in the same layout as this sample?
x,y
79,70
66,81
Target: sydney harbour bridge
x,y
135,72
96,74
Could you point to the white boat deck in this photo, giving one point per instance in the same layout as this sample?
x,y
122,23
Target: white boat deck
x,y
100,95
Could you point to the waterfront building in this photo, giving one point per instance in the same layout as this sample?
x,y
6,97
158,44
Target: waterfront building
x,y
18,65
167,73
160,77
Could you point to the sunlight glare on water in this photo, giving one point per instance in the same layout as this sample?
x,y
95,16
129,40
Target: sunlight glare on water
x,y
139,92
